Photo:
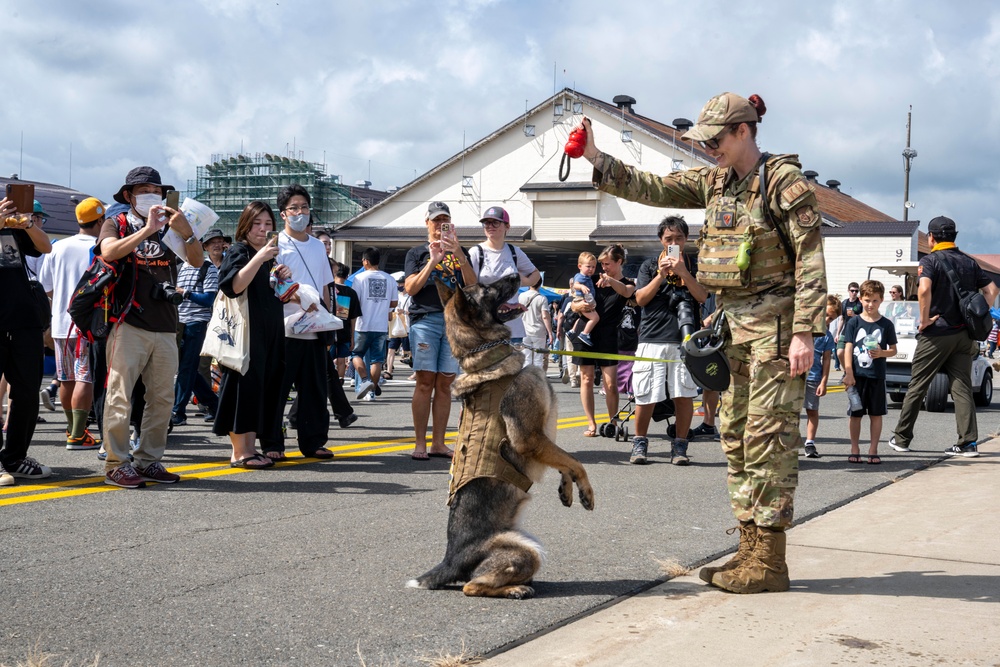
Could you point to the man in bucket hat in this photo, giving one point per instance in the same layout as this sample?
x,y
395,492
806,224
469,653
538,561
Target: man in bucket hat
x,y
144,343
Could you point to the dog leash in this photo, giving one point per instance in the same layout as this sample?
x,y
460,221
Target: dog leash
x,y
585,355
595,355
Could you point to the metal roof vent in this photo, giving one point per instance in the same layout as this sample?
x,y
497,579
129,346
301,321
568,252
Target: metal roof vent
x,y
683,124
624,102
810,175
833,185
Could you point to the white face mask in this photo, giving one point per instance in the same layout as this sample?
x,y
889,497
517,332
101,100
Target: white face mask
x,y
142,203
298,222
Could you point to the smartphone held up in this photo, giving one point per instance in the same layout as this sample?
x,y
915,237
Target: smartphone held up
x,y
22,195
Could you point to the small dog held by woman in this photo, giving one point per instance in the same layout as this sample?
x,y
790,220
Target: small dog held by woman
x,y
506,441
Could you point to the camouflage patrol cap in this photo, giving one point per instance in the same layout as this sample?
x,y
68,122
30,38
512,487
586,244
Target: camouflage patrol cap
x,y
720,111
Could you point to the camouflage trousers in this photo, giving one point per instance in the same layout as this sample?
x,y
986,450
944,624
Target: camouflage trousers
x,y
759,426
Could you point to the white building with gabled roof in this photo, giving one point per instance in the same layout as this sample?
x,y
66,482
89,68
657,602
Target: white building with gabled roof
x,y
517,167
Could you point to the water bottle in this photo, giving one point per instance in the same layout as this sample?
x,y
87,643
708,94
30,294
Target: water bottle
x,y
854,398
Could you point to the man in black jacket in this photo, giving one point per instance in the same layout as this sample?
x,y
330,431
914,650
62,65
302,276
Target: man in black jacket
x,y
943,343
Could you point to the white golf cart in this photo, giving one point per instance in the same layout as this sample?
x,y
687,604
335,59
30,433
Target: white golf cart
x,y
905,315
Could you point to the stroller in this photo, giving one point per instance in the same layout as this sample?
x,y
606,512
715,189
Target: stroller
x,y
617,428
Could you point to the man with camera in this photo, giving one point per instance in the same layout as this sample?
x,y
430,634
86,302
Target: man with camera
x,y
669,295
143,344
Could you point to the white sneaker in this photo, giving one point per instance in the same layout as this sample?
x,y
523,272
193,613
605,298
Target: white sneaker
x,y
898,448
6,479
47,401
370,396
363,387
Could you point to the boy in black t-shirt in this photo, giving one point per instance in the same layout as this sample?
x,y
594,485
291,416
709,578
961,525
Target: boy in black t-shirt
x,y
870,339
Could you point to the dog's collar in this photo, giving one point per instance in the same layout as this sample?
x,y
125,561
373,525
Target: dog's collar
x,y
495,352
487,346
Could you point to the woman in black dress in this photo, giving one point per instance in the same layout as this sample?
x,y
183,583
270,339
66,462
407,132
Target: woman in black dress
x,y
250,404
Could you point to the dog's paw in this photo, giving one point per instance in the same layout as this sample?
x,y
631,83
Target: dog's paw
x,y
587,497
566,490
519,592
413,583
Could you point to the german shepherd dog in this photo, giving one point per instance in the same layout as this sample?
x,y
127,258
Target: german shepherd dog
x,y
486,547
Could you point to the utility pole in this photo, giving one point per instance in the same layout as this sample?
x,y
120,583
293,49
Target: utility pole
x,y
908,155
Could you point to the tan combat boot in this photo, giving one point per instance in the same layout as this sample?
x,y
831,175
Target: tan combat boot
x,y
748,538
764,570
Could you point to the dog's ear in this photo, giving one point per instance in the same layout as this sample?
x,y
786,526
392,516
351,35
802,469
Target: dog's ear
x,y
445,292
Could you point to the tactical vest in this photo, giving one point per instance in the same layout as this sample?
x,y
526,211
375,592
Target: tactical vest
x,y
731,222
482,435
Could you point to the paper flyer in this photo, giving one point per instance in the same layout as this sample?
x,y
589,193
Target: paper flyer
x,y
201,219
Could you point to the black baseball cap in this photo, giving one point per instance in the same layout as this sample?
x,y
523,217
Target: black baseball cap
x,y
942,226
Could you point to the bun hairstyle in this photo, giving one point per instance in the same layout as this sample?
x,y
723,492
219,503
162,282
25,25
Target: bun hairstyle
x,y
615,252
758,104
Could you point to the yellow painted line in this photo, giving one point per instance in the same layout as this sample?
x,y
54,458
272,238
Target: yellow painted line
x,y
59,494
26,493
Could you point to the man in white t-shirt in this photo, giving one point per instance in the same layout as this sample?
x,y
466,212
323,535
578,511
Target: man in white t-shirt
x,y
59,273
305,354
377,293
537,320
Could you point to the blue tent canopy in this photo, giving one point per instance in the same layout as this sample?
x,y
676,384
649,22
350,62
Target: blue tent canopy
x,y
551,295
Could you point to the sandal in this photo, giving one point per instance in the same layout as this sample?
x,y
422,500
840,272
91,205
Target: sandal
x,y
440,455
590,433
874,460
387,376
257,461
276,456
854,458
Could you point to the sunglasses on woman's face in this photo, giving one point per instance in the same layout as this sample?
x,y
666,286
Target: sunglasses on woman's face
x,y
492,223
713,143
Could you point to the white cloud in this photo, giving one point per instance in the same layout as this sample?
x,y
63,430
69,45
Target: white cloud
x,y
397,82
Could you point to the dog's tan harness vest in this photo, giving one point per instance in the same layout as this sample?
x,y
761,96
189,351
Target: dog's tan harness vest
x,y
481,435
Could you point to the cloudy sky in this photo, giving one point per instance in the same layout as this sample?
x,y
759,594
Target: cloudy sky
x,y
384,89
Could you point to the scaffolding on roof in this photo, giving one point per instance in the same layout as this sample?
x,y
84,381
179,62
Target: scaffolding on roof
x,y
230,182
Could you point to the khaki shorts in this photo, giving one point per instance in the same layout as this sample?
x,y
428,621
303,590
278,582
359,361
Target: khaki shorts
x,y
651,379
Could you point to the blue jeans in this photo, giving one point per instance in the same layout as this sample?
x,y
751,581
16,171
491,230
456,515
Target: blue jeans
x,y
188,378
429,346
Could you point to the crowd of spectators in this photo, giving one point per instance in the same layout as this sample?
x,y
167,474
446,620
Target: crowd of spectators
x,y
152,363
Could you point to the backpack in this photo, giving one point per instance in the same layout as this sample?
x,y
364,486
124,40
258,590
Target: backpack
x,y
973,307
482,257
104,294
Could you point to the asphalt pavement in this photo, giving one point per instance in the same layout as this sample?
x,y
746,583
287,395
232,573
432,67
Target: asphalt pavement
x,y
306,563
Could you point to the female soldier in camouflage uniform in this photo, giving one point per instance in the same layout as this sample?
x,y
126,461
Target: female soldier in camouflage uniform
x,y
760,251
